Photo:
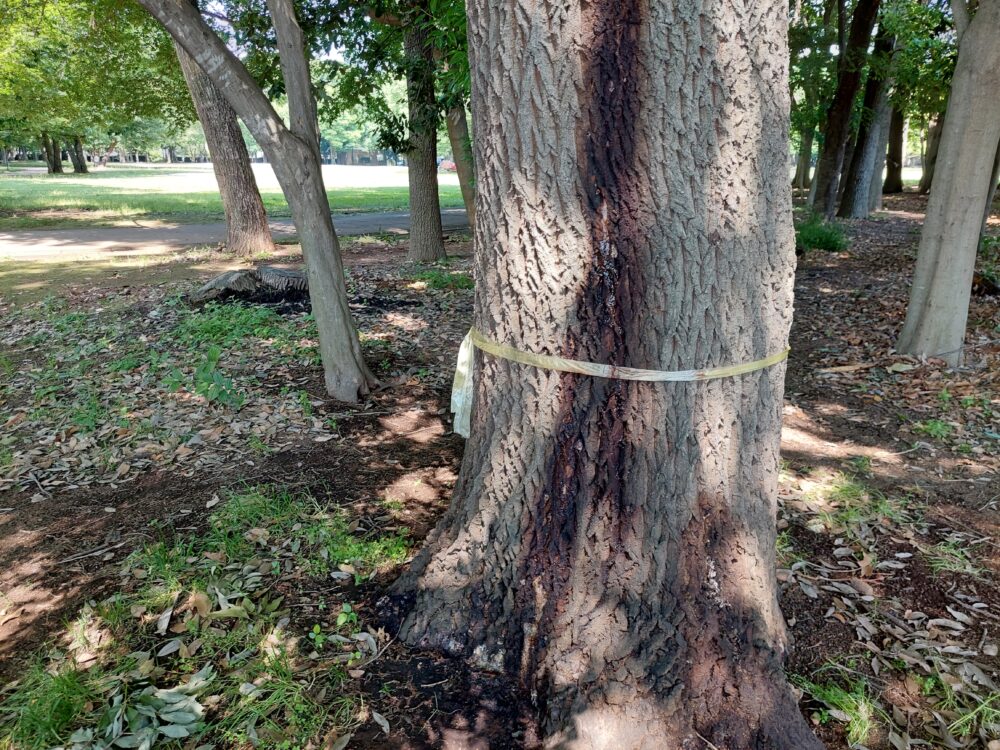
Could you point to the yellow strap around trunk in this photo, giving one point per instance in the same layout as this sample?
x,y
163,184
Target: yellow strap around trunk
x,y
461,392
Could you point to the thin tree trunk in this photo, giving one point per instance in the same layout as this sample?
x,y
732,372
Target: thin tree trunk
x,y
992,194
461,148
939,299
930,158
884,122
247,230
803,167
611,543
894,161
858,177
293,150
46,143
77,156
426,241
838,116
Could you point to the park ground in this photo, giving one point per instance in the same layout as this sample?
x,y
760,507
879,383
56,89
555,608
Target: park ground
x,y
189,527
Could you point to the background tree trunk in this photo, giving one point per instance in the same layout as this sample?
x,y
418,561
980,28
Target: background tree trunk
x,y
930,157
894,161
838,115
611,543
461,148
77,156
992,193
884,121
426,242
939,299
803,167
247,230
858,178
293,151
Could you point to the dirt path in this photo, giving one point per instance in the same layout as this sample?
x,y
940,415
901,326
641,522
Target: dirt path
x,y
37,263
150,239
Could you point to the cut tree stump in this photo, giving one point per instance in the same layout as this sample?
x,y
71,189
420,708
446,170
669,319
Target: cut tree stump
x,y
262,284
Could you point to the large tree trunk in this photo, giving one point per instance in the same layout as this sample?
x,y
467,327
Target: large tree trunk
x,y
611,543
930,157
426,242
247,230
293,150
803,166
939,298
838,116
461,148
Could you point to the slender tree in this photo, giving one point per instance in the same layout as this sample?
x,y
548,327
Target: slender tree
x,y
293,150
247,230
426,242
939,298
611,543
894,159
855,201
837,132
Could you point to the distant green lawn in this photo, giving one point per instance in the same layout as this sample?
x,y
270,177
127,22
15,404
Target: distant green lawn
x,y
35,201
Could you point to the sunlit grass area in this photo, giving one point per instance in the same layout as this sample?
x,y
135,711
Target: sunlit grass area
x,y
182,193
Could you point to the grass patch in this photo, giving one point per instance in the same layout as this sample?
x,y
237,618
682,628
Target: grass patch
x,y
816,234
951,556
933,428
37,201
41,707
196,646
846,701
437,278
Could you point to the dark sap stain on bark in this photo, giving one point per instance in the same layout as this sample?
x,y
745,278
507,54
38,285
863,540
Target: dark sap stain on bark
x,y
613,185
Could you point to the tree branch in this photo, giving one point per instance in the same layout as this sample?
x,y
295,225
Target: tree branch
x,y
185,24
960,12
295,71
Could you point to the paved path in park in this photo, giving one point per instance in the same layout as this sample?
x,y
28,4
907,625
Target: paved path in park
x,y
91,243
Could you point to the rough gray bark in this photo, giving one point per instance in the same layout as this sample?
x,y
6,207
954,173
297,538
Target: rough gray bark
x,y
426,242
837,132
894,160
461,148
930,156
247,230
610,544
803,166
939,299
293,151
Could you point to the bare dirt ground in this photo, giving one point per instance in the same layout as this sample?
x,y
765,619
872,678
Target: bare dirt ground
x,y
888,554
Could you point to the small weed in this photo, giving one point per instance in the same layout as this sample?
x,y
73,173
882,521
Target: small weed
x,y
861,465
816,234
305,404
378,353
848,702
317,636
436,278
786,549
985,714
951,556
258,446
347,616
934,428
